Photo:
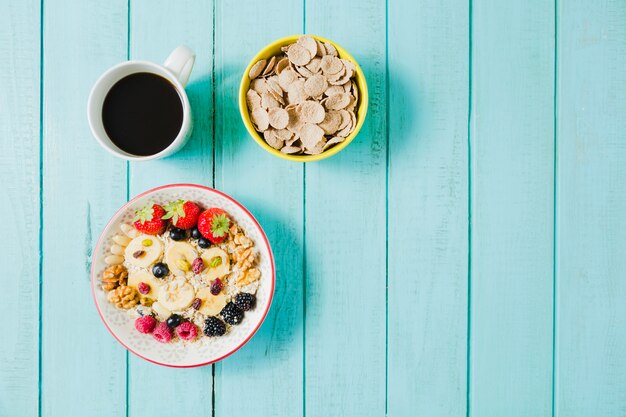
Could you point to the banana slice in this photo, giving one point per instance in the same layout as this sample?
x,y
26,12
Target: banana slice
x,y
135,277
215,268
211,304
161,312
143,251
179,257
176,295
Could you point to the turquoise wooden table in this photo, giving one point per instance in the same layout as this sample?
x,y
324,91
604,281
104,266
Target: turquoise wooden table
x,y
465,256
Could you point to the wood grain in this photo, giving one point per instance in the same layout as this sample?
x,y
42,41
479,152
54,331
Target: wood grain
x,y
156,28
591,206
512,142
83,368
19,188
372,246
428,208
346,235
265,377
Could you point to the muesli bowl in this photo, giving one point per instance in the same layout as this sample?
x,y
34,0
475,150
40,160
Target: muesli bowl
x,y
181,352
358,107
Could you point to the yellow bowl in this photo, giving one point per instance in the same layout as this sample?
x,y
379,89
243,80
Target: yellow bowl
x,y
274,49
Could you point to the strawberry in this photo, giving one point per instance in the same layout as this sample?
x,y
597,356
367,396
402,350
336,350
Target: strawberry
x,y
184,214
149,220
213,224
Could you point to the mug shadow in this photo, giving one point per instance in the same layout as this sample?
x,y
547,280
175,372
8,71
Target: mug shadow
x,y
215,111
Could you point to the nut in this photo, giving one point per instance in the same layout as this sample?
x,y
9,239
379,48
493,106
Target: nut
x,y
244,258
124,297
243,240
145,301
183,265
114,276
248,277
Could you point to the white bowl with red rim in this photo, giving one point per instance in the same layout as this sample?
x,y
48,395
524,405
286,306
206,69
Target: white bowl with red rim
x,y
208,350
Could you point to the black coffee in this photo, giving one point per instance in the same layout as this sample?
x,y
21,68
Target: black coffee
x,y
142,113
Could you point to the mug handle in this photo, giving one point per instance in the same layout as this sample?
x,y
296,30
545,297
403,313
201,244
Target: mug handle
x,y
180,62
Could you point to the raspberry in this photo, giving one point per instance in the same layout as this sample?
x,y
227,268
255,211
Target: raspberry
x,y
162,333
197,266
187,330
216,286
143,288
145,324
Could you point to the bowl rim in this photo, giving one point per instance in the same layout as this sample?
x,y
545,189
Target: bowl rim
x,y
205,188
363,106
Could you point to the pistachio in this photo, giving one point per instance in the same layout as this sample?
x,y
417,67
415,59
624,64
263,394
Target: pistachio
x,y
183,265
146,242
215,262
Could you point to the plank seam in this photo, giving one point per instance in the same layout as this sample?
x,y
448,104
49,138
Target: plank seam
x,y
554,205
303,258
386,207
213,156
40,237
128,18
213,112
469,216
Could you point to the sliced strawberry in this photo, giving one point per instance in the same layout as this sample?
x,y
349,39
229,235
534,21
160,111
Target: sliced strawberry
x,y
149,220
213,224
184,214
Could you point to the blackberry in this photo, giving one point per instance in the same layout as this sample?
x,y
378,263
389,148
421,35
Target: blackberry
x,y
245,301
232,314
214,327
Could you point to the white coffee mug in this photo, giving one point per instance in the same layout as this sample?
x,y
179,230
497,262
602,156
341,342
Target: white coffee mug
x,y
176,70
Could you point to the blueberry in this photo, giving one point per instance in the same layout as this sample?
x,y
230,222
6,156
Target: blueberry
x,y
204,243
245,301
214,327
195,233
174,320
160,270
177,234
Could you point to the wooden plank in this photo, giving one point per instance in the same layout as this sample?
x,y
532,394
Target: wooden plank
x,y
346,235
591,206
428,207
83,186
512,143
265,377
19,170
156,28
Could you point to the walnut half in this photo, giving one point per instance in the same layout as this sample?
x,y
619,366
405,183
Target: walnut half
x,y
113,277
124,297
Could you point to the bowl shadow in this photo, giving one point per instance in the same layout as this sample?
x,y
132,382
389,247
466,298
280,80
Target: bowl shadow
x,y
392,107
283,325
